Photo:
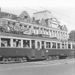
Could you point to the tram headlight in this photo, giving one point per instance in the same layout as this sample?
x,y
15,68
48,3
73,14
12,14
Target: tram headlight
x,y
46,50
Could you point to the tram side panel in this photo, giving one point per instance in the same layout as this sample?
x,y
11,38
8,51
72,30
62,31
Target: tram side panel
x,y
15,52
22,52
59,52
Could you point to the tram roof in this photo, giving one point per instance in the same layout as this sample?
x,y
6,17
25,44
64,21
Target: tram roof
x,y
27,36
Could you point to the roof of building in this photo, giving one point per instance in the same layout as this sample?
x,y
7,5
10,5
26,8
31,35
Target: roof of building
x,y
28,19
42,11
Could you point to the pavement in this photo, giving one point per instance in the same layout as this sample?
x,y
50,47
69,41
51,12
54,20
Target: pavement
x,y
56,67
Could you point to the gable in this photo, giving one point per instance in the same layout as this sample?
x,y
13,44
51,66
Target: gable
x,y
24,16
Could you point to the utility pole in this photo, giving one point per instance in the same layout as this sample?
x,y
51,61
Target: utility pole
x,y
0,12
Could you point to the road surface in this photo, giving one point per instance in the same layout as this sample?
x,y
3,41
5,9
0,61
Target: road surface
x,y
38,68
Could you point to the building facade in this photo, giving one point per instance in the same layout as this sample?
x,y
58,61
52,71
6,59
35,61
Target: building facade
x,y
41,23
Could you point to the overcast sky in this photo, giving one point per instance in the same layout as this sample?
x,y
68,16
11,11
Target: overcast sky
x,y
63,10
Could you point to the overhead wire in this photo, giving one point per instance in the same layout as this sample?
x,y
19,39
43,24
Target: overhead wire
x,y
55,12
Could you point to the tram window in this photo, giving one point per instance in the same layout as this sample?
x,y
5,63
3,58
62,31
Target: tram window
x,y
26,43
53,45
73,46
42,44
48,45
62,46
33,44
58,45
69,46
5,42
38,44
65,46
16,43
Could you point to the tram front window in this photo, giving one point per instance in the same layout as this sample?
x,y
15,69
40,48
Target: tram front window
x,y
5,42
26,43
16,43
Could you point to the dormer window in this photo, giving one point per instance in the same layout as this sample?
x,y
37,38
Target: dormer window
x,y
25,26
9,16
25,17
29,26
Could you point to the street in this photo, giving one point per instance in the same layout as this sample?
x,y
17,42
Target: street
x,y
38,68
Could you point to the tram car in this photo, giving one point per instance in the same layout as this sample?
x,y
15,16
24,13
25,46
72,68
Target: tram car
x,y
22,40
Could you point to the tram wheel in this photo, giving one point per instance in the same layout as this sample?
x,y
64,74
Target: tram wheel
x,y
5,60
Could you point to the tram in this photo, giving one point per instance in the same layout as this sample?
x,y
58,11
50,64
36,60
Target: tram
x,y
24,48
17,45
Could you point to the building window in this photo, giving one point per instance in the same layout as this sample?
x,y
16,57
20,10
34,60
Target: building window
x,y
25,26
5,42
25,17
26,43
29,26
48,45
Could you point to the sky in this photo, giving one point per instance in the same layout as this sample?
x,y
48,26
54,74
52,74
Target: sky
x,y
63,10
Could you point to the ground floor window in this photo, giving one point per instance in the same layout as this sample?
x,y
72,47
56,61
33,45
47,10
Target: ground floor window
x,y
5,42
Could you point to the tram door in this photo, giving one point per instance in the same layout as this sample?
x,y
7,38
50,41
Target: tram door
x,y
43,47
33,48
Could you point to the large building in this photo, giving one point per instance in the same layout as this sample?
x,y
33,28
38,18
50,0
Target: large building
x,y
41,23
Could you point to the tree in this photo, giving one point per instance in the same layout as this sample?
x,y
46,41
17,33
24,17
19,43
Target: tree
x,y
72,35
